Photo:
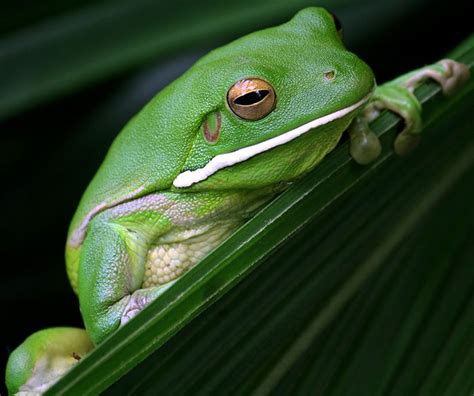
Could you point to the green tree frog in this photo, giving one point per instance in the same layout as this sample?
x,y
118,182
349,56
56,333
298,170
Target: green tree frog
x,y
201,157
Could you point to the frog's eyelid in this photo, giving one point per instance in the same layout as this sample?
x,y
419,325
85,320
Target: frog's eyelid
x,y
188,178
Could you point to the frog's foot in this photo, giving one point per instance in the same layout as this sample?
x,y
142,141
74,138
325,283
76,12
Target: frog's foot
x,y
140,299
400,100
451,75
43,358
398,97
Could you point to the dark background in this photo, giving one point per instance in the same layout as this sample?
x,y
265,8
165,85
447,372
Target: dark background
x,y
51,149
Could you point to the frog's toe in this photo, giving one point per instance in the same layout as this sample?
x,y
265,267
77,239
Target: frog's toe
x,y
406,142
139,299
456,76
44,357
365,146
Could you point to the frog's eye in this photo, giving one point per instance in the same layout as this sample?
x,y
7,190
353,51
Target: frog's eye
x,y
251,98
338,24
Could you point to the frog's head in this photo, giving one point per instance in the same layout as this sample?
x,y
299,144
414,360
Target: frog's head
x,y
260,110
279,101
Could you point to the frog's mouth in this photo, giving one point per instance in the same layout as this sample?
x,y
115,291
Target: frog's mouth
x,y
188,178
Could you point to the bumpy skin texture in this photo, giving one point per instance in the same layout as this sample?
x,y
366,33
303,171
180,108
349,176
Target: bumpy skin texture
x,y
131,207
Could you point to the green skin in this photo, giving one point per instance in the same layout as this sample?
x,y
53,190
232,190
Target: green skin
x,y
132,206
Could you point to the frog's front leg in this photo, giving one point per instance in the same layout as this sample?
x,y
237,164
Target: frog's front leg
x,y
398,97
135,251
111,271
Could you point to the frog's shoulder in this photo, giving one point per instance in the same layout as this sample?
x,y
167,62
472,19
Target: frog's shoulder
x,y
145,157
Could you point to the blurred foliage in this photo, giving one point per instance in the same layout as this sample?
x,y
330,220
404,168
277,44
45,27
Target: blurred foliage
x,y
99,40
72,73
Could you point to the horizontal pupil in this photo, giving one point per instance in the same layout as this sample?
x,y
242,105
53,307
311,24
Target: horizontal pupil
x,y
251,97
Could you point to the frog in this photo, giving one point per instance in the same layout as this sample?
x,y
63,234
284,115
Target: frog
x,y
238,128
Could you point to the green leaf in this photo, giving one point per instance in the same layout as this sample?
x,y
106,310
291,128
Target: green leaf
x,y
357,280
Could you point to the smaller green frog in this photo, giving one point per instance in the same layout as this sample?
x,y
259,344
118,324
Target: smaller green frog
x,y
236,129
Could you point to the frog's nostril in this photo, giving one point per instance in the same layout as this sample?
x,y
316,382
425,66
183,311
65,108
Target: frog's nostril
x,y
330,75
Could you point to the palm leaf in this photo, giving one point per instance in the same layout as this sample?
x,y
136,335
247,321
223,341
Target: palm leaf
x,y
347,283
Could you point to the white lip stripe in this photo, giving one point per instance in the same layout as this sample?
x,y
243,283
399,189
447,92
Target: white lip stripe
x,y
188,178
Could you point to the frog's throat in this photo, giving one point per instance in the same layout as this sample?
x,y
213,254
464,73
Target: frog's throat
x,y
188,178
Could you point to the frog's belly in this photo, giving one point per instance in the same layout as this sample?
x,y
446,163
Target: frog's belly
x,y
170,259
